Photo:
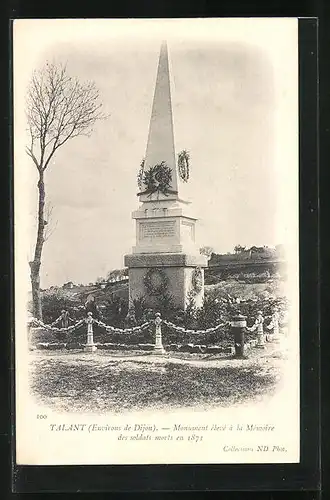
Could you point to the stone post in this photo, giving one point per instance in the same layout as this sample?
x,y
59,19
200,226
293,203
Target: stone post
x,y
259,326
238,325
275,325
64,323
158,349
90,346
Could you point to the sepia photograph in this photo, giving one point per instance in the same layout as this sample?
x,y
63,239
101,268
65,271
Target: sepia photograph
x,y
156,241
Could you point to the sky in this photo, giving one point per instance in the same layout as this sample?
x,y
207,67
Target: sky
x,y
234,95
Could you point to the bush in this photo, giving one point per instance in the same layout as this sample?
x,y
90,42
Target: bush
x,y
219,306
211,279
53,302
114,311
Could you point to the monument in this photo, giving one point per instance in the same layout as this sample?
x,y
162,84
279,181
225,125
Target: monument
x,y
165,264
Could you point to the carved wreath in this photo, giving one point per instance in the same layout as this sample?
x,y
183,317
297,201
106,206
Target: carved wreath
x,y
197,280
156,281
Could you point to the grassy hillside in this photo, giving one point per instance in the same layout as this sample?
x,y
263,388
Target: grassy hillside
x,y
79,293
247,291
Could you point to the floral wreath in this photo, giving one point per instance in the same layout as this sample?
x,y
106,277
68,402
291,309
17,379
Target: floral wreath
x,y
141,174
156,289
197,280
183,165
157,179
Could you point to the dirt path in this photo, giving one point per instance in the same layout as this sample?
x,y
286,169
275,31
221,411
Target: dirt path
x,y
102,357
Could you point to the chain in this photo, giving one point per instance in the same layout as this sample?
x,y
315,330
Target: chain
x,y
196,332
61,318
36,323
40,324
112,329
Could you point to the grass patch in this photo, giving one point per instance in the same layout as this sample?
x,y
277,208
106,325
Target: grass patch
x,y
102,383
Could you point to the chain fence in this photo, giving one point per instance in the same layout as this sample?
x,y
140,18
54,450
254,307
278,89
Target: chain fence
x,y
237,328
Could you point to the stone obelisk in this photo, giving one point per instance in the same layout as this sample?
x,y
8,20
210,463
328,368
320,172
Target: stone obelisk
x,y
165,264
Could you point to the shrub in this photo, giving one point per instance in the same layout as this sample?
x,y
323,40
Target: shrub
x,y
114,311
139,308
53,301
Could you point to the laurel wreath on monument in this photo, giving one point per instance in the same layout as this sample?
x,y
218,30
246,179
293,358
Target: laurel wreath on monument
x,y
197,280
157,179
140,174
156,281
184,165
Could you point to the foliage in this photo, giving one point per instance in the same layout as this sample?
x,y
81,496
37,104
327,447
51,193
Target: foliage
x,y
221,302
197,280
116,273
141,174
58,108
184,165
239,248
139,304
158,178
211,313
114,311
207,251
187,319
166,305
211,279
247,300
53,302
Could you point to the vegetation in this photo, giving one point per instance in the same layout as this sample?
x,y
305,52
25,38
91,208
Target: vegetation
x,y
207,251
53,302
58,108
78,382
222,301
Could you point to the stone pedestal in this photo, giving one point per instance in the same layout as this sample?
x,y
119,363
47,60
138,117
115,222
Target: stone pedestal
x,y
158,349
164,225
90,348
260,341
176,269
165,255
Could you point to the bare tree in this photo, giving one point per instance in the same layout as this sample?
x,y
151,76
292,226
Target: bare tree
x,y
58,108
49,222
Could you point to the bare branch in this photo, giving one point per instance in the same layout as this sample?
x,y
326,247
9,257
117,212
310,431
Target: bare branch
x,y
58,108
50,225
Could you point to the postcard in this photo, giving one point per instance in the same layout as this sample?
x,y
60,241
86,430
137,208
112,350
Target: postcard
x,y
156,241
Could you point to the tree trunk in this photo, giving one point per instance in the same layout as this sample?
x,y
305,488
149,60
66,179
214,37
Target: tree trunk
x,y
36,263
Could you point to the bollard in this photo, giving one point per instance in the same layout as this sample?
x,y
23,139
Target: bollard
x,y
259,326
64,319
275,325
90,346
238,325
158,349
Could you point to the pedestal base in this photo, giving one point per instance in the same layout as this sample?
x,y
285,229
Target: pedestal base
x,y
90,348
159,350
177,268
